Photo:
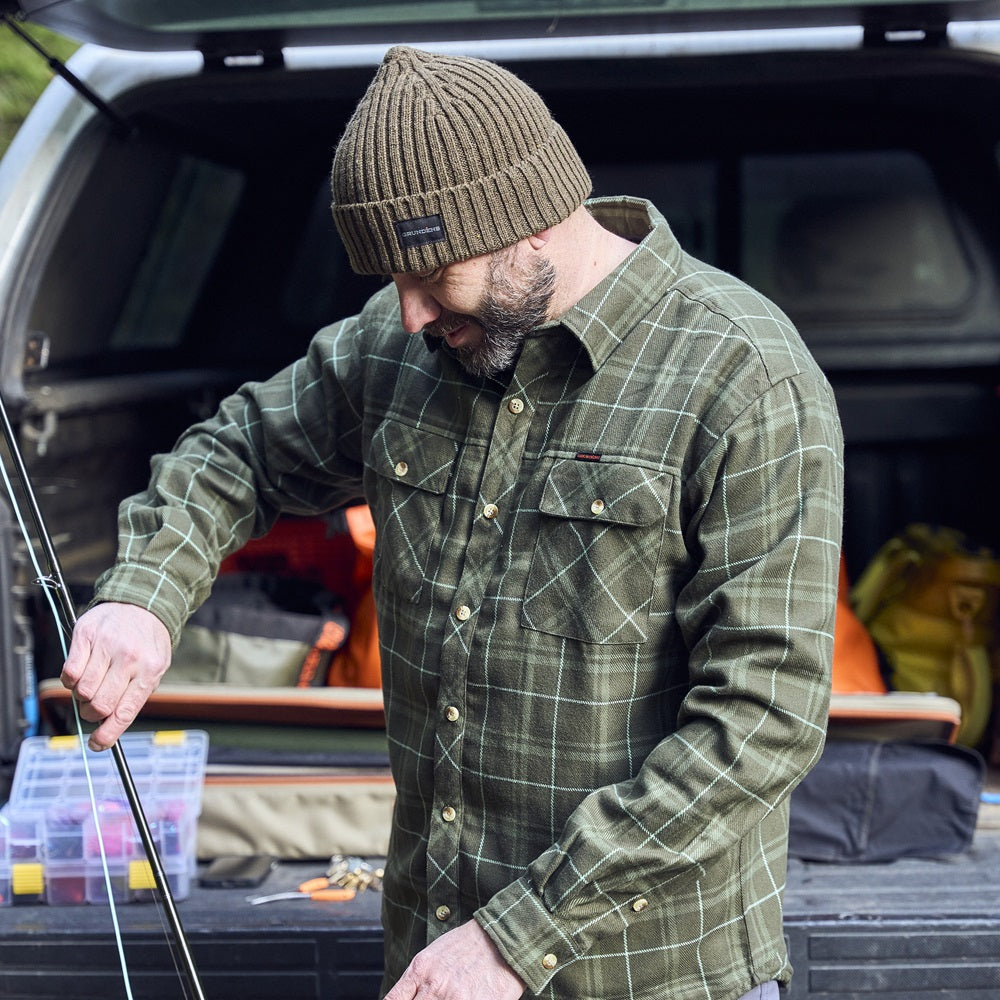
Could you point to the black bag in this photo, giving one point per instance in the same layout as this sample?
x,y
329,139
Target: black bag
x,y
878,801
261,630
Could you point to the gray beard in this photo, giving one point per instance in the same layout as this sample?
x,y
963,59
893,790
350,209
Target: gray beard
x,y
516,302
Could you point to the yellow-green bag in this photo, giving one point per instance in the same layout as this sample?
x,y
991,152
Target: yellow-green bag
x,y
930,603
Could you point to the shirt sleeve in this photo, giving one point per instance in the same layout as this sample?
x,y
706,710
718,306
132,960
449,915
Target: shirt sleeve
x,y
291,443
757,616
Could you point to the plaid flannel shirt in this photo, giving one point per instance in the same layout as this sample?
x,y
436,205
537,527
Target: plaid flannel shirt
x,y
605,594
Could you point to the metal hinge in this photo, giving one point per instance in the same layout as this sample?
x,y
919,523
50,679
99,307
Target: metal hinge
x,y
36,352
39,430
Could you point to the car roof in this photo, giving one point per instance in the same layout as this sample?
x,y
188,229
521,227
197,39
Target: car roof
x,y
246,26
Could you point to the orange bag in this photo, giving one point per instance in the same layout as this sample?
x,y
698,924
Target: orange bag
x,y
855,659
357,664
342,562
861,705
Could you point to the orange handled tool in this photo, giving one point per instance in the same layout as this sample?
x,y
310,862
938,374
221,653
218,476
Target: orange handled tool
x,y
320,895
315,884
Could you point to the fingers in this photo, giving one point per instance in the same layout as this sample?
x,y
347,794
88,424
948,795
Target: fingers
x,y
405,988
460,964
115,722
118,654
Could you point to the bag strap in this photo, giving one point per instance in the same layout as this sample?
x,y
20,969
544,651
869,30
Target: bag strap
x,y
331,637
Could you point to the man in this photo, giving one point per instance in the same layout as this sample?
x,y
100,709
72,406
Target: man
x,y
606,486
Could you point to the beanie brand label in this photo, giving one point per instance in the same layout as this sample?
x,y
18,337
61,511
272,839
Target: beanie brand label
x,y
419,232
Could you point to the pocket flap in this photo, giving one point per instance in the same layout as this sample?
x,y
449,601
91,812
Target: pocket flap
x,y
606,491
417,458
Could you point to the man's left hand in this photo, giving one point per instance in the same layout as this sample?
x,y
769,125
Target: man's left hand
x,y
463,964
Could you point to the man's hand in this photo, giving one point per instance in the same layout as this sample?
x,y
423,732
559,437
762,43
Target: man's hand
x,y
463,964
118,654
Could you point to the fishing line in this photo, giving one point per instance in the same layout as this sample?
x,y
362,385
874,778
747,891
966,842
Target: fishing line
x,y
65,617
46,585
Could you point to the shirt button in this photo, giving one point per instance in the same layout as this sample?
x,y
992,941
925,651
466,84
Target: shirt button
x,y
402,469
463,613
516,406
443,913
490,511
452,714
640,904
550,961
597,507
448,814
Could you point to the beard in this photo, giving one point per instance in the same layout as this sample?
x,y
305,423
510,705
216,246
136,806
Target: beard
x,y
516,301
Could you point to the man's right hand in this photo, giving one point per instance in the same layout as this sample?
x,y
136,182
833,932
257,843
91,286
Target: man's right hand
x,y
117,657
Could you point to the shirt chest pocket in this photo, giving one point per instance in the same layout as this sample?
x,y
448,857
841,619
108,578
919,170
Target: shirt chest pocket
x,y
594,563
412,469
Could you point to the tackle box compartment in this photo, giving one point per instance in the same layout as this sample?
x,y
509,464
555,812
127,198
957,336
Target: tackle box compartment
x,y
53,849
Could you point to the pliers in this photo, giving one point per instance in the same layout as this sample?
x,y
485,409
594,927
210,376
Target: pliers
x,y
344,879
316,889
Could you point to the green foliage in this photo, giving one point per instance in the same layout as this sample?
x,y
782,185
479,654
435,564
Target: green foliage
x,y
24,74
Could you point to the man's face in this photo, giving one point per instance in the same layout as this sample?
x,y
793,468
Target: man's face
x,y
483,308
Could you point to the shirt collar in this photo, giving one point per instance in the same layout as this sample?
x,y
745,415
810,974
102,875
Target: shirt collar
x,y
606,314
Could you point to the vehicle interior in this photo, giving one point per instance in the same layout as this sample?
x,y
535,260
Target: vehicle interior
x,y
858,190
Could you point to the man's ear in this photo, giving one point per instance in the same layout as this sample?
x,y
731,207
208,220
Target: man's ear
x,y
540,240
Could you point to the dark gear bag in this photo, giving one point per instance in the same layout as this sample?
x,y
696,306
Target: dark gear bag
x,y
261,630
879,801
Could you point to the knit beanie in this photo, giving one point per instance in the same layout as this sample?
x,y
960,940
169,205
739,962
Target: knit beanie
x,y
445,158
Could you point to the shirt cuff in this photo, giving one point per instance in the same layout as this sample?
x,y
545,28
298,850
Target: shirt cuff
x,y
528,935
147,588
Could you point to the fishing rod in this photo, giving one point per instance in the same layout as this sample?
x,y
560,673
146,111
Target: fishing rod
x,y
56,581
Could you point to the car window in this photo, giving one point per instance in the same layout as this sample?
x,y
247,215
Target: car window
x,y
132,256
233,266
184,239
851,235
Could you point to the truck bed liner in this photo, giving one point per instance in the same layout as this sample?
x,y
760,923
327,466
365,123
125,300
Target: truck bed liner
x,y
906,929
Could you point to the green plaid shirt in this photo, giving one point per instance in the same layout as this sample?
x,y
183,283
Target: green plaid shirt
x,y
605,594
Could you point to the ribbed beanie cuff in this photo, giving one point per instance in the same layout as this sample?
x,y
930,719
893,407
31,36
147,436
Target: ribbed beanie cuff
x,y
445,158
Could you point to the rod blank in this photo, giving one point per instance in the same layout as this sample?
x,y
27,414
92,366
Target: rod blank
x,y
128,785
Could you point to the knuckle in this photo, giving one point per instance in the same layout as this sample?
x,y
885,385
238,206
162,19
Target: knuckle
x,y
85,690
72,671
122,716
101,705
425,974
88,714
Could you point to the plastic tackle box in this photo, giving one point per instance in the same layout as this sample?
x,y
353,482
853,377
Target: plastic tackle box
x,y
51,840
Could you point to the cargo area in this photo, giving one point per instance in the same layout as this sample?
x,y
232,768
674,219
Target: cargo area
x,y
906,929
857,189
860,190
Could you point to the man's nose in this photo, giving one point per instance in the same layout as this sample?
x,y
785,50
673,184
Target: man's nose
x,y
417,307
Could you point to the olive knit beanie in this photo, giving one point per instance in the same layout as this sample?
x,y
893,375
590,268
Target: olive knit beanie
x,y
445,158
